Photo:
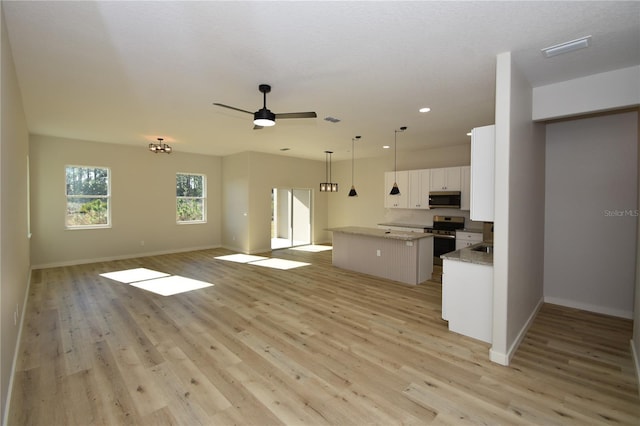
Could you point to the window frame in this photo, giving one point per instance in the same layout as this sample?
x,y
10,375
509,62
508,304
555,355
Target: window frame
x,y
203,198
106,197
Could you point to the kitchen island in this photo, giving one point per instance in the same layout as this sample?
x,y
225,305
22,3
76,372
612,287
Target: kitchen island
x,y
406,257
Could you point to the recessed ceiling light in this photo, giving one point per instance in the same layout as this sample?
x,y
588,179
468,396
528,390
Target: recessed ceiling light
x,y
425,109
386,146
569,46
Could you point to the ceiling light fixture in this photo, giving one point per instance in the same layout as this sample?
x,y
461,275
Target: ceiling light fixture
x,y
395,190
160,147
425,109
328,186
264,117
352,191
569,46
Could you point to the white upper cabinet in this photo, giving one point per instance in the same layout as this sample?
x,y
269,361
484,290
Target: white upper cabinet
x,y
482,173
415,186
465,188
419,189
446,179
400,201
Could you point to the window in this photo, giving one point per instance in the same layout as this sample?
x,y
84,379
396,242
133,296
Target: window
x,y
88,197
191,194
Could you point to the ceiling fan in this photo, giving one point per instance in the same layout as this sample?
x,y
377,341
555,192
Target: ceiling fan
x,y
264,117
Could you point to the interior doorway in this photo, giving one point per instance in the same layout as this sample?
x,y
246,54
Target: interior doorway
x,y
290,217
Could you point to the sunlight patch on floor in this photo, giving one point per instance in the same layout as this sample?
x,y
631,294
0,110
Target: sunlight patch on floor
x,y
155,281
132,275
280,263
241,258
169,286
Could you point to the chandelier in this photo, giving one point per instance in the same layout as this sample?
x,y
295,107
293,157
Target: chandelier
x,y
159,147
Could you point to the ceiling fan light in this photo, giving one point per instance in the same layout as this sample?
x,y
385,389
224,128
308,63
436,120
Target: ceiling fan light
x,y
264,118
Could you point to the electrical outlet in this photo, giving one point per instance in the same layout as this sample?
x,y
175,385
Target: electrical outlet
x,y
378,253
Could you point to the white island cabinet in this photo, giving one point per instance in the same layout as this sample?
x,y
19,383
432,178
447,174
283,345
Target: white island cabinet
x,y
406,257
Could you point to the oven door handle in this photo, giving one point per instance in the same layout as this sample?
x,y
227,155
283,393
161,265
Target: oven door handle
x,y
444,236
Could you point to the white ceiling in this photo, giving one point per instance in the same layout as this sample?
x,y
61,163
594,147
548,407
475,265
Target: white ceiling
x,y
127,72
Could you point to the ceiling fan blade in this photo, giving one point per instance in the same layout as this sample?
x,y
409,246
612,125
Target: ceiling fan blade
x,y
233,108
297,115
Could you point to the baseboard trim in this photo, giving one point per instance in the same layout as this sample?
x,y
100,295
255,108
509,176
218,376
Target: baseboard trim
x,y
620,313
505,358
122,257
16,352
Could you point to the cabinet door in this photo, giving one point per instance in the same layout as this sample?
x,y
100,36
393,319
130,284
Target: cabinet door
x,y
482,173
453,178
445,179
465,188
438,181
399,201
419,189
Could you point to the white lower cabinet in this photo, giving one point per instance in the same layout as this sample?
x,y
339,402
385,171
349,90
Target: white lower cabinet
x,y
467,239
467,298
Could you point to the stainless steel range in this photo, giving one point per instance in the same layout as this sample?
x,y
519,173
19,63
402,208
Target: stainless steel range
x,y
444,235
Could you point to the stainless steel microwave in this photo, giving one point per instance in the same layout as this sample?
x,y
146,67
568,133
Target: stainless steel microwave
x,y
444,199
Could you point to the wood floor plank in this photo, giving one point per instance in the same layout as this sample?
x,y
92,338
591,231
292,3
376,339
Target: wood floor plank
x,y
315,345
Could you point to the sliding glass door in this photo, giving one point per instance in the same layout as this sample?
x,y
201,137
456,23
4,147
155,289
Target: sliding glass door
x,y
290,217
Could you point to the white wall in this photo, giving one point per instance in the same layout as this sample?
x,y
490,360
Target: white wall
x,y
590,222
235,202
14,246
143,202
599,92
248,180
635,341
519,212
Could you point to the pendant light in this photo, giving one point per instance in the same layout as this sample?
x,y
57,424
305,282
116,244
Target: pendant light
x,y
352,192
395,190
328,186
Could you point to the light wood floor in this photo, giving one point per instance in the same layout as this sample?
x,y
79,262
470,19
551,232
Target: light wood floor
x,y
309,346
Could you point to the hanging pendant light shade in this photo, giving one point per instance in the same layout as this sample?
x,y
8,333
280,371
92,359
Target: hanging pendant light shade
x,y
395,190
352,192
328,186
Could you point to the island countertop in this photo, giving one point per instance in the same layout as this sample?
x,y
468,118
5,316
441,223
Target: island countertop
x,y
467,254
381,233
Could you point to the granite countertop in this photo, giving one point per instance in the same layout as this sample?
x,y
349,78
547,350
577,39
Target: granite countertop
x,y
381,233
467,254
406,225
